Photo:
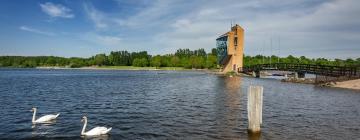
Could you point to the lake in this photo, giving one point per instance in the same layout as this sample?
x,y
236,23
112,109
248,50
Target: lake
x,y
169,105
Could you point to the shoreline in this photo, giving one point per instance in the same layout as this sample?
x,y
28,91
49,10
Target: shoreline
x,y
349,84
129,68
115,68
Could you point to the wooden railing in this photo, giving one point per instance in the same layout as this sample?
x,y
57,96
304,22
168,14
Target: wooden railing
x,y
325,70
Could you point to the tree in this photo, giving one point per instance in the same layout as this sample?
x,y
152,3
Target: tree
x,y
120,58
182,58
166,61
111,58
214,51
144,62
211,61
321,61
304,60
136,62
51,61
291,59
175,61
338,62
185,62
100,59
76,62
350,62
156,61
140,62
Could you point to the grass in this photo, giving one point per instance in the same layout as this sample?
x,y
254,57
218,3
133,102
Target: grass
x,y
231,73
120,68
139,68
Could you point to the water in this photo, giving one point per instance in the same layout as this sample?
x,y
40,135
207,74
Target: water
x,y
169,105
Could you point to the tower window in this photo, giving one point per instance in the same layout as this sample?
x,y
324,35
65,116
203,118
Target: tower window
x,y
235,41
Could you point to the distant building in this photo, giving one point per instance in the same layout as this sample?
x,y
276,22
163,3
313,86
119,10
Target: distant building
x,y
230,49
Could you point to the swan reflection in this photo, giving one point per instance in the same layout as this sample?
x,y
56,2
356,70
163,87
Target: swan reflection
x,y
101,137
47,123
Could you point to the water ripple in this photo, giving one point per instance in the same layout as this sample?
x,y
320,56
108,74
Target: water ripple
x,y
169,105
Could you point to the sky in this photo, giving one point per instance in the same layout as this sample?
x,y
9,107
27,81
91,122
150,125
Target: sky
x,y
83,28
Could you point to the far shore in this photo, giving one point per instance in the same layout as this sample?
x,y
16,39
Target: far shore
x,y
128,68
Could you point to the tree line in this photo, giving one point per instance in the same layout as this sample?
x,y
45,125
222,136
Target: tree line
x,y
186,58
181,58
260,59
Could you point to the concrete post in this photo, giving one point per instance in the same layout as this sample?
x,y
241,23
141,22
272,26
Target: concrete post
x,y
255,103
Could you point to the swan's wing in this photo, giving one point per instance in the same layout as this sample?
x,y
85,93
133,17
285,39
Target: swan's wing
x,y
97,131
47,118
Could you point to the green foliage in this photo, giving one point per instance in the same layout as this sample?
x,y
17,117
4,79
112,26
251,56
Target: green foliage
x,y
214,51
211,61
120,58
140,62
185,58
231,73
197,62
100,59
156,61
175,61
259,59
76,62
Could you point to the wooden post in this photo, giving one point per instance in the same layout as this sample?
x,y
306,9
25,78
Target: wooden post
x,y
296,75
256,74
253,74
255,102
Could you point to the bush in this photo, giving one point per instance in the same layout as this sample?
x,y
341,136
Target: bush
x,y
143,62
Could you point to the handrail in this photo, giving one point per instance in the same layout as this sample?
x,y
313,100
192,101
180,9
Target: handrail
x,y
307,68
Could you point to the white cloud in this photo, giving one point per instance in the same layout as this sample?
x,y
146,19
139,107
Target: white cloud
x,y
96,16
155,15
29,29
303,26
325,25
109,40
56,10
181,23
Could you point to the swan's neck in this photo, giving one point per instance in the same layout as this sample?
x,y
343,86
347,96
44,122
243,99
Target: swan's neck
x,y
83,129
34,114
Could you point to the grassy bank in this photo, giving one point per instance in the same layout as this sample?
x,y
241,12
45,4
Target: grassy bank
x,y
136,68
117,68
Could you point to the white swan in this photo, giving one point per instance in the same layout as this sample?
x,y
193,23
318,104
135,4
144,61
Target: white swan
x,y
95,131
43,119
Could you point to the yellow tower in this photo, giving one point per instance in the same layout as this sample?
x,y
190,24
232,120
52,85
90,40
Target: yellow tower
x,y
230,49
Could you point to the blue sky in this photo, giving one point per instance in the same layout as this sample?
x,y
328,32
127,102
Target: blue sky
x,y
313,28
